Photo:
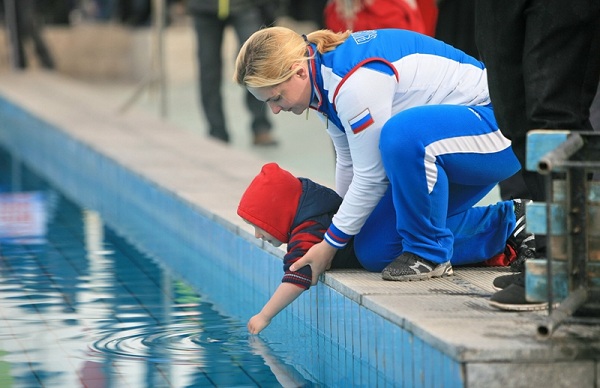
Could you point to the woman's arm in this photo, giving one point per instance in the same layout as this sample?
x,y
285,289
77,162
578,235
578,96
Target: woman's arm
x,y
365,90
367,93
285,294
319,257
343,160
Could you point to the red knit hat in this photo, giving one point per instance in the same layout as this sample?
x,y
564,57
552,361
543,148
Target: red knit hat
x,y
271,201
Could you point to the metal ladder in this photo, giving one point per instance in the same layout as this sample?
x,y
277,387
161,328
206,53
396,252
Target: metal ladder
x,y
569,276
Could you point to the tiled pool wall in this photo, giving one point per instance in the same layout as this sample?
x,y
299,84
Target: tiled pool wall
x,y
324,333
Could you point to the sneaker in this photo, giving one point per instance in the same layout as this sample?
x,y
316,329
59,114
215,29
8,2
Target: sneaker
x,y
501,282
512,298
522,241
520,236
219,134
523,254
408,267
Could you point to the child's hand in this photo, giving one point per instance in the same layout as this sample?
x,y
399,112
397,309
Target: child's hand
x,y
257,323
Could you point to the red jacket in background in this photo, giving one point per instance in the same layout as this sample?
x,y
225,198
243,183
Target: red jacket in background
x,y
420,16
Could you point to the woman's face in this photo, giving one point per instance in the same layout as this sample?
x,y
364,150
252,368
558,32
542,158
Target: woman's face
x,y
293,95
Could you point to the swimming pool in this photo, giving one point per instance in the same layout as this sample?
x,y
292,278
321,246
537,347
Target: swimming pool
x,y
174,195
307,344
80,306
333,334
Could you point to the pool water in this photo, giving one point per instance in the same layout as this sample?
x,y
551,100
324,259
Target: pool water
x,y
82,307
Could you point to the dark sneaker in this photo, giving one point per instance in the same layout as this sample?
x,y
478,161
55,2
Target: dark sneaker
x,y
512,298
501,282
409,266
522,241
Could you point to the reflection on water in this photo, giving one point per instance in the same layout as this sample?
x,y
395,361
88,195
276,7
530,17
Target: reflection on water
x,y
23,217
79,306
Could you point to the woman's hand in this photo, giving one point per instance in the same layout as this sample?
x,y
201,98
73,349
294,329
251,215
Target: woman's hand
x,y
257,323
319,257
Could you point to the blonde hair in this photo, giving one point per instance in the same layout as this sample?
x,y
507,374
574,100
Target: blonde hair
x,y
267,57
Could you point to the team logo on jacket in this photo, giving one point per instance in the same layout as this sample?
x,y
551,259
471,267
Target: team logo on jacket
x,y
361,121
364,36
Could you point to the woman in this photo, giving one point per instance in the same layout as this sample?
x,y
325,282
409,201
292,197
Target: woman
x,y
404,111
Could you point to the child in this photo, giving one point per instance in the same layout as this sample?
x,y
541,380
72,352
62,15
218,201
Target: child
x,y
295,211
284,209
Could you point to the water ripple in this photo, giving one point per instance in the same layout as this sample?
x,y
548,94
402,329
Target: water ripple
x,y
174,343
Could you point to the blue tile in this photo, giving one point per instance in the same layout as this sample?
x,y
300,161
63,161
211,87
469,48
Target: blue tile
x,y
133,299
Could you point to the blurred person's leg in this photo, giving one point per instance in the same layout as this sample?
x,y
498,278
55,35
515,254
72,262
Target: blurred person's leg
x,y
106,9
135,12
514,187
270,11
209,37
543,69
502,52
34,26
307,11
141,12
56,11
22,34
245,24
543,61
456,25
562,68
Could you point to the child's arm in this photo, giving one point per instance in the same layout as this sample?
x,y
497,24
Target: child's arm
x,y
285,294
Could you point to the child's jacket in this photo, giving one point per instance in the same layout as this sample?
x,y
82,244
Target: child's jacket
x,y
296,211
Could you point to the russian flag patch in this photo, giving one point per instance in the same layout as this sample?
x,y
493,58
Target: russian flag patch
x,y
361,121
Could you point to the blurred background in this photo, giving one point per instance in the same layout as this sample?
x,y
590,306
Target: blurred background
x,y
142,54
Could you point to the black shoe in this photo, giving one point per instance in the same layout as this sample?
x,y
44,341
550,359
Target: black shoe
x,y
219,134
522,241
512,298
409,266
501,282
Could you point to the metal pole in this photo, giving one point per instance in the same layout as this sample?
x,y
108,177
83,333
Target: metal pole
x,y
577,228
549,258
566,309
560,154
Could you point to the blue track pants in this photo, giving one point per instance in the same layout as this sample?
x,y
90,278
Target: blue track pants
x,y
441,160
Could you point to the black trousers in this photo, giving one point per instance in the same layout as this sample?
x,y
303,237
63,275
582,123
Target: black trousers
x,y
209,33
543,61
29,27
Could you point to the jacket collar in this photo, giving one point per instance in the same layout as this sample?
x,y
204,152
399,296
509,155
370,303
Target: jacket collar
x,y
316,78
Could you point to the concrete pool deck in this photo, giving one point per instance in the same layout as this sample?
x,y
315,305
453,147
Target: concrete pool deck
x,y
451,316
